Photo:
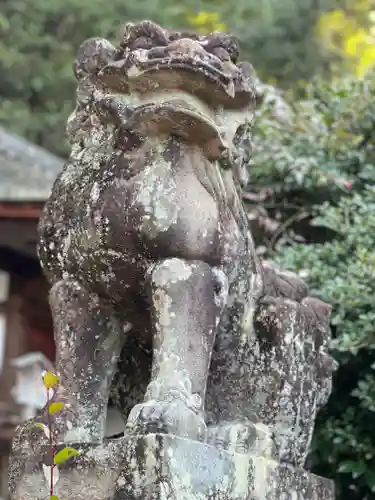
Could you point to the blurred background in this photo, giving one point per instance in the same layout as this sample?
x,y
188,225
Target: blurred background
x,y
310,200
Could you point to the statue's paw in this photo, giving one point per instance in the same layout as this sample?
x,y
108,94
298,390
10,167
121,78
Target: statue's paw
x,y
163,417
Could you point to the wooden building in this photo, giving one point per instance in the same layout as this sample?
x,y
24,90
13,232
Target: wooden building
x,y
26,176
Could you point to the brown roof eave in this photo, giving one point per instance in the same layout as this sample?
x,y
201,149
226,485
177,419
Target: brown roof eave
x,y
24,210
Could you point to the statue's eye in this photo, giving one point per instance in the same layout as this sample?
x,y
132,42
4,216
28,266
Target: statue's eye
x,y
222,46
221,53
233,52
142,42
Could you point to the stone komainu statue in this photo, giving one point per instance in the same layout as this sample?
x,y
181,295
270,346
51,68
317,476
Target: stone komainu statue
x,y
157,296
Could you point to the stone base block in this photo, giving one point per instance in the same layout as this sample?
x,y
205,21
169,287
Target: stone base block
x,y
249,438
165,467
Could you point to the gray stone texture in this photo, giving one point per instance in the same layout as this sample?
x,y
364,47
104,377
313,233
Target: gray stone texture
x,y
217,362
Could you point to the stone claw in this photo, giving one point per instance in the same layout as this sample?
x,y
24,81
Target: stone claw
x,y
172,417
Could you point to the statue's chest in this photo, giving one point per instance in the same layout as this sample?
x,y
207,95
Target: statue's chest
x,y
166,206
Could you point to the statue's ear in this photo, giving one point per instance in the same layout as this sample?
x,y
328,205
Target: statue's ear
x,y
92,56
241,172
242,149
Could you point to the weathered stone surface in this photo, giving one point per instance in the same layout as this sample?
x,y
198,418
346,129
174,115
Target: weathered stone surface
x,y
276,369
147,216
165,467
217,362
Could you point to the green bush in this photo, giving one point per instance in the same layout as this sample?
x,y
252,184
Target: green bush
x,y
317,149
313,182
39,40
342,272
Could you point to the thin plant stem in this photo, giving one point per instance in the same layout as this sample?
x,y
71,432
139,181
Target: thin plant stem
x,y
51,449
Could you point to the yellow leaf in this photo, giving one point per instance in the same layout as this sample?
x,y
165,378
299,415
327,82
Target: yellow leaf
x,y
202,18
54,497
50,380
206,22
37,425
340,32
55,407
220,27
64,455
366,62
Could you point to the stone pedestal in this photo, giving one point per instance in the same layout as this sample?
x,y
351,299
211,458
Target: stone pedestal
x,y
165,467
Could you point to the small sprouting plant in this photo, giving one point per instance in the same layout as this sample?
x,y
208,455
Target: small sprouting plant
x,y
51,472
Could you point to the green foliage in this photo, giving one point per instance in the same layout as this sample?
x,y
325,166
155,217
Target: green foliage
x,y
341,272
310,151
349,32
304,153
39,41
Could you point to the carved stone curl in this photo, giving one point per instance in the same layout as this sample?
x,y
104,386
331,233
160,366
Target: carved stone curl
x,y
158,299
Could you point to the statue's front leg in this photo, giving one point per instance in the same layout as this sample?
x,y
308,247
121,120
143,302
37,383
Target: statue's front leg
x,y
186,298
88,342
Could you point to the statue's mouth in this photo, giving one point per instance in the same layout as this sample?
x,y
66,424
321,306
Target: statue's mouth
x,y
184,115
205,77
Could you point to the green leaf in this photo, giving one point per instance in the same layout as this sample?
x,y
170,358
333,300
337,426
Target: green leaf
x,y
50,380
54,497
347,466
55,407
370,480
64,455
356,468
